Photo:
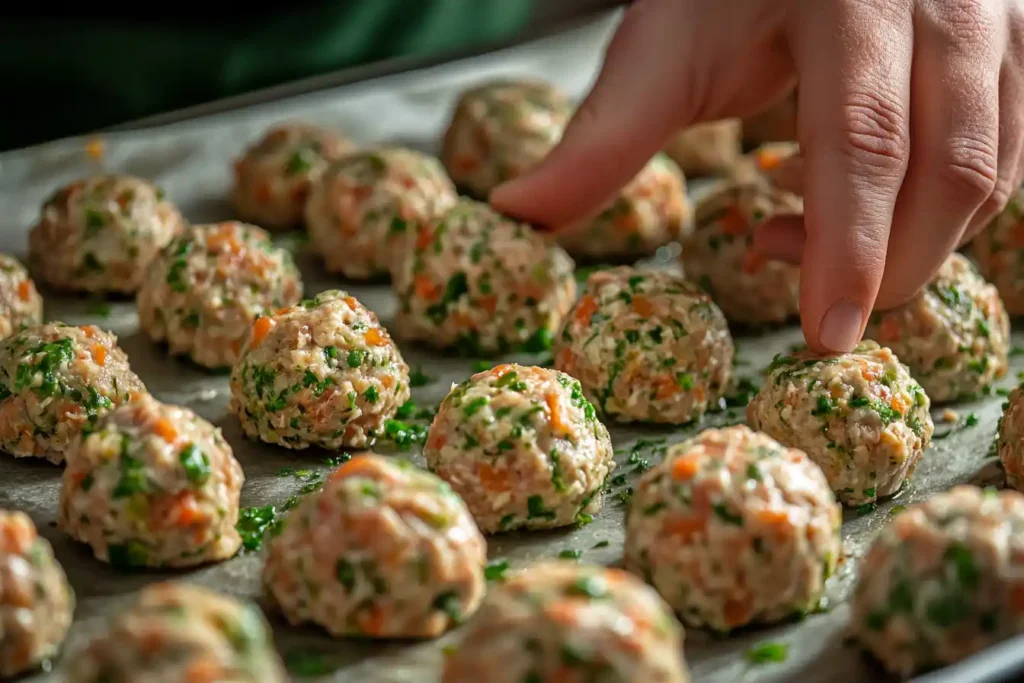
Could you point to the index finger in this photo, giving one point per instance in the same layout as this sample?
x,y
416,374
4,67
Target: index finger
x,y
854,132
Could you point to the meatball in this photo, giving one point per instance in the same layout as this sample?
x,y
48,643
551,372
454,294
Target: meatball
x,y
181,632
566,621
209,285
707,148
20,303
482,284
386,550
942,580
366,207
523,447
500,130
1010,438
734,528
651,211
720,254
55,380
101,234
152,485
999,253
274,175
323,373
859,415
954,335
647,346
36,600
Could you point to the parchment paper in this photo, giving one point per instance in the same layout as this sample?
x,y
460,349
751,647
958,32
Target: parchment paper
x,y
191,161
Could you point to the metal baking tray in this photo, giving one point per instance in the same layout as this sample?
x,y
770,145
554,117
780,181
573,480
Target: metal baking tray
x,y
190,159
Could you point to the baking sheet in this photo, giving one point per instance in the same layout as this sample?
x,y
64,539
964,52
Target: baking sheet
x,y
191,161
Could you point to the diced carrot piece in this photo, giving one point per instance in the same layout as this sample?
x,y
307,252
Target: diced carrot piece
x,y
643,306
25,290
489,303
557,424
351,302
628,222
372,620
767,159
667,387
500,370
563,612
586,307
165,430
685,528
685,467
733,222
374,337
16,538
388,381
869,372
463,320
899,404
737,612
773,518
90,331
753,261
424,238
205,670
260,329
426,289
99,354
492,478
186,512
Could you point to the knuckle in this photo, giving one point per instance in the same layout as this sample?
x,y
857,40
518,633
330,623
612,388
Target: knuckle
x,y
969,168
994,204
875,134
964,19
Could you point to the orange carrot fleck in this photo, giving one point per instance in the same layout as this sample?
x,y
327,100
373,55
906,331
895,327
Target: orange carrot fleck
x,y
16,538
372,620
358,466
95,148
667,387
374,337
562,612
685,528
426,289
260,329
736,612
25,290
686,467
557,424
489,303
586,307
643,306
733,222
493,479
90,331
99,354
424,238
753,261
165,430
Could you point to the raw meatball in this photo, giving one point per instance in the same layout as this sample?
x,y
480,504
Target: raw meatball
x,y
943,580
999,253
152,485
707,148
523,448
178,632
483,284
647,346
651,211
500,130
386,550
1010,439
101,234
323,373
36,600
777,124
561,621
210,284
720,254
734,528
273,176
55,380
20,303
859,415
954,335
366,207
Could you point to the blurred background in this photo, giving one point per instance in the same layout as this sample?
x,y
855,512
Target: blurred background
x,y
69,73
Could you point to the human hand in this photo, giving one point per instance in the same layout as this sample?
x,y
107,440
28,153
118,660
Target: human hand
x,y
911,125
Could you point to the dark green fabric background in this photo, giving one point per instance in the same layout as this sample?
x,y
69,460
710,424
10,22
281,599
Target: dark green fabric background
x,y
71,76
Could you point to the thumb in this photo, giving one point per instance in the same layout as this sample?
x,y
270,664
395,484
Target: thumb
x,y
664,69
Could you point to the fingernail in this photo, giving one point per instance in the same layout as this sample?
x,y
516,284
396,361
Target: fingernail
x,y
840,328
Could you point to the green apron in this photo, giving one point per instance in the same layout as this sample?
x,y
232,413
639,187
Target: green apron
x,y
67,77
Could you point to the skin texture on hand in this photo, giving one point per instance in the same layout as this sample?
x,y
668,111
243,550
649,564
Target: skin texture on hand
x,y
911,128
